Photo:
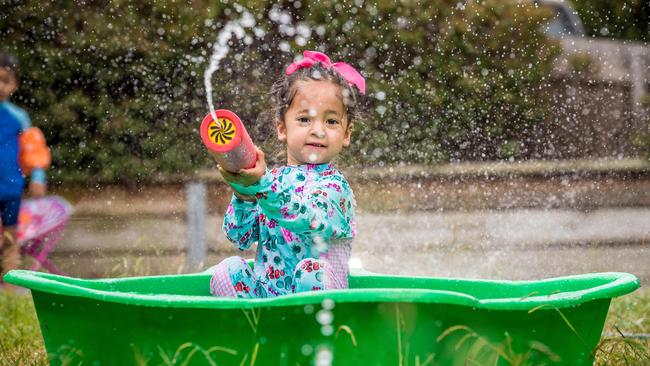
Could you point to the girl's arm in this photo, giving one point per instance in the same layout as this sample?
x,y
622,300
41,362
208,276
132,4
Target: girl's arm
x,y
241,223
324,208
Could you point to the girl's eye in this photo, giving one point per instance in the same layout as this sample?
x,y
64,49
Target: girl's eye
x,y
303,119
332,121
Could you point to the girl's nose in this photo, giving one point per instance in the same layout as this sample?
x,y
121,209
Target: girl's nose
x,y
317,129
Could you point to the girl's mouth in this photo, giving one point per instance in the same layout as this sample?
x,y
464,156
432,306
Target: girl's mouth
x,y
316,145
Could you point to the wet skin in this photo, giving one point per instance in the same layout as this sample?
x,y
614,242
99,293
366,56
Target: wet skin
x,y
315,130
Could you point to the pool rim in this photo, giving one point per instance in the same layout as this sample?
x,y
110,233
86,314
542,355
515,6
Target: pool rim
x,y
616,284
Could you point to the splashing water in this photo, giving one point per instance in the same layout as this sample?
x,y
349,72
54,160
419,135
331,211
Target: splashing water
x,y
220,50
300,32
324,356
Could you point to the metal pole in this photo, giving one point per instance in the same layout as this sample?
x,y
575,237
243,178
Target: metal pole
x,y
638,62
197,247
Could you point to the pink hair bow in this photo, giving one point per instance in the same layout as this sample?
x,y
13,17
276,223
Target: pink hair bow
x,y
348,72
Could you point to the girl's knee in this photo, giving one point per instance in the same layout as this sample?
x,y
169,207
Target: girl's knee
x,y
309,275
221,283
310,264
236,263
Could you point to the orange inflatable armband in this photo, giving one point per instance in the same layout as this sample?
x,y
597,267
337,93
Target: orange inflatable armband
x,y
34,152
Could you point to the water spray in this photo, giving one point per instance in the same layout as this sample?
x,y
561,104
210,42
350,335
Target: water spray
x,y
222,131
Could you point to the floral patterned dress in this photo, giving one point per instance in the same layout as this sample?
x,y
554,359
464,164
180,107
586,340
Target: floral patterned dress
x,y
303,224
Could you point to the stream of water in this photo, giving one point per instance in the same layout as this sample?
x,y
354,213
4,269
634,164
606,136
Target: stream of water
x,y
245,30
220,49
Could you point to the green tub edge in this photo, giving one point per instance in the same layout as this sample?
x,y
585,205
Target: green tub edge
x,y
606,285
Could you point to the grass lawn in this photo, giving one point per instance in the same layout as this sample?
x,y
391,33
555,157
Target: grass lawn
x,y
22,343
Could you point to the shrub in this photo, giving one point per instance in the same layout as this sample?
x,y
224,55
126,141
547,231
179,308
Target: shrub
x,y
117,86
449,81
627,19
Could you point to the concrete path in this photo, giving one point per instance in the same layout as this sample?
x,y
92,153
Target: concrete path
x,y
518,244
513,244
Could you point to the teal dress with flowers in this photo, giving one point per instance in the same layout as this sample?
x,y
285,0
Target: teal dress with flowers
x,y
303,224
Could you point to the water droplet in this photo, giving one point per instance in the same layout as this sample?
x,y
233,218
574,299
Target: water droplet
x,y
327,330
324,356
328,304
355,263
284,46
307,349
324,317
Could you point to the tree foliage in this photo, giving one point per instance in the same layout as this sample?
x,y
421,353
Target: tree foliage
x,y
623,19
117,86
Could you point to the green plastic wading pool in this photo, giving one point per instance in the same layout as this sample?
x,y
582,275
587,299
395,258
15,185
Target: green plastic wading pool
x,y
380,320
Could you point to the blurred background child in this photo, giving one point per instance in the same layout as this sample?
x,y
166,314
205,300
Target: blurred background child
x,y
16,130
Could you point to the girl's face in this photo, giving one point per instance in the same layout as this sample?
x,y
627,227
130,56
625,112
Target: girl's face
x,y
315,126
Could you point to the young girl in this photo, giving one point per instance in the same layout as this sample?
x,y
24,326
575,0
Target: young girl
x,y
302,215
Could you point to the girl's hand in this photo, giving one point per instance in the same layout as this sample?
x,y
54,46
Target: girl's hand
x,y
246,177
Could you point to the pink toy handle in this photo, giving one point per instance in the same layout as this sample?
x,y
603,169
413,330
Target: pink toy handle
x,y
228,141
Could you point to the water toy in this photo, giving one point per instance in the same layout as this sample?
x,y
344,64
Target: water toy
x,y
41,222
379,320
228,141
